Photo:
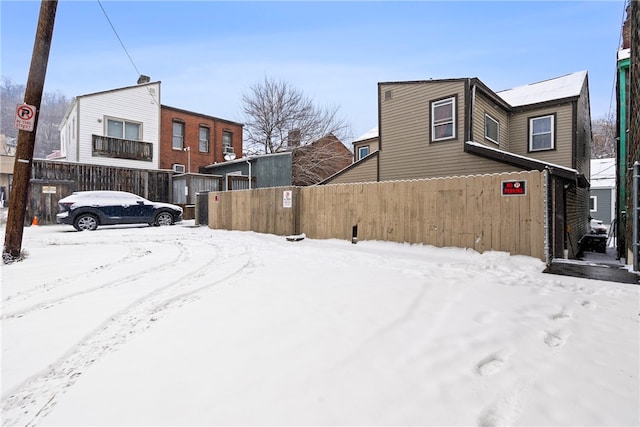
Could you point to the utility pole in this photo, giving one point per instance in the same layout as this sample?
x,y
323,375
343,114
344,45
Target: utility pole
x,y
26,139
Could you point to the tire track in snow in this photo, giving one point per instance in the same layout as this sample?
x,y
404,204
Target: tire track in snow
x,y
181,257
46,287
37,396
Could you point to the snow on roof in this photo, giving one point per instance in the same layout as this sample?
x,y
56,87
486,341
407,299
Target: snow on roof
x,y
624,54
372,133
547,90
497,150
603,173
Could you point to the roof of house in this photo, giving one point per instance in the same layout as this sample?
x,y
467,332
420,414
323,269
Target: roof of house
x,y
527,163
603,173
372,133
562,87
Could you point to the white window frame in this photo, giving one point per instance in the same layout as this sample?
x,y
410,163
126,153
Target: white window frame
x,y
593,199
488,118
227,146
360,149
443,122
204,143
124,126
551,132
175,138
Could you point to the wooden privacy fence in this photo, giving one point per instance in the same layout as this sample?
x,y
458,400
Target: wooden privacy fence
x,y
53,180
469,212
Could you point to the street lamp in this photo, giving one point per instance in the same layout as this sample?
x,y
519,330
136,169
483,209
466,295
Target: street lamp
x,y
188,150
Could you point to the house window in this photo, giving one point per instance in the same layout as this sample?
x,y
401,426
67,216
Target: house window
x,y
541,133
123,129
363,152
593,204
491,129
204,139
177,142
443,119
227,142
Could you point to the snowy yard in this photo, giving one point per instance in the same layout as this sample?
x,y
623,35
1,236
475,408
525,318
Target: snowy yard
x,y
186,325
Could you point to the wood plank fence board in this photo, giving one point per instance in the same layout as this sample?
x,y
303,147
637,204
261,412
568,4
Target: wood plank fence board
x,y
467,212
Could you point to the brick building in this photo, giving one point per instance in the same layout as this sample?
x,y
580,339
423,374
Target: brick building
x,y
190,141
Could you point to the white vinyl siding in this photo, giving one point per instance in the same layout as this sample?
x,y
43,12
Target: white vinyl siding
x,y
137,104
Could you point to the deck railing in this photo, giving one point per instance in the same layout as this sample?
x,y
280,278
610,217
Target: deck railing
x,y
105,146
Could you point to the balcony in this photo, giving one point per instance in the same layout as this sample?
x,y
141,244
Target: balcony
x,y
105,146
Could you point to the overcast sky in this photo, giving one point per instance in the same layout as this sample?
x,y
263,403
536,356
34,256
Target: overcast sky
x,y
208,53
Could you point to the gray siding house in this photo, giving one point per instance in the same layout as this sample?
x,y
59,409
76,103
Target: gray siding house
x,y
457,127
602,196
268,170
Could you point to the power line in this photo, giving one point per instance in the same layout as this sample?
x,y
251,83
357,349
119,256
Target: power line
x,y
125,51
116,33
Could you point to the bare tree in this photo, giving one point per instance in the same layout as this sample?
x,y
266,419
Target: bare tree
x,y
319,160
603,142
52,110
278,117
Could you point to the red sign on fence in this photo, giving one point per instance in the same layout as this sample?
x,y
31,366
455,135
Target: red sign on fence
x,y
514,188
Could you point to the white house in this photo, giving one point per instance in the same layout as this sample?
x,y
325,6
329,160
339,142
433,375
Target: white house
x,y
602,202
119,127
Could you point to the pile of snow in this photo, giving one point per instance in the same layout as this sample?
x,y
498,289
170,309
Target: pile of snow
x,y
191,326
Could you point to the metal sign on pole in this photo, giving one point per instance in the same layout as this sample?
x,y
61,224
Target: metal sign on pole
x,y
25,117
26,122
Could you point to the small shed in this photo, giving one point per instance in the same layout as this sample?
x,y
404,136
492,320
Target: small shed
x,y
187,186
267,170
602,195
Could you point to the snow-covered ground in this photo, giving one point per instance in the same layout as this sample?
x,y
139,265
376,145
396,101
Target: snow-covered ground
x,y
186,325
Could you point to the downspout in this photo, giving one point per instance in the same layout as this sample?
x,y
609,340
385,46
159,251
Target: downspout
x,y
548,239
249,163
469,136
636,185
623,67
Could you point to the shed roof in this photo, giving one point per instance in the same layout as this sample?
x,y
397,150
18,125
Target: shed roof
x,y
371,133
603,173
566,86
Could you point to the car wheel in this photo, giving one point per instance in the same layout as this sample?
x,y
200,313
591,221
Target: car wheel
x,y
85,222
164,218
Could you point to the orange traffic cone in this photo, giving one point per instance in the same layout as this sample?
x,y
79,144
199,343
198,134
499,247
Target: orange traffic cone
x,y
35,221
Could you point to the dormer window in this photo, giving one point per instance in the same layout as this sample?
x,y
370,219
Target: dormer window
x,y
542,133
363,152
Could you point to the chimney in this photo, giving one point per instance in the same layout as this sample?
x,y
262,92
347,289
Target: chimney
x,y
293,138
626,31
143,79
